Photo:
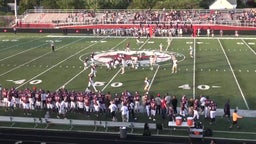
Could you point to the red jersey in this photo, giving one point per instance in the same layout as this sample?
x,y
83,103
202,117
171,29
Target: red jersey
x,y
153,105
24,98
80,98
38,96
49,99
86,101
163,104
137,97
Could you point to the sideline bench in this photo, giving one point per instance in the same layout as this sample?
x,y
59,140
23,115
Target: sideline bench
x,y
72,123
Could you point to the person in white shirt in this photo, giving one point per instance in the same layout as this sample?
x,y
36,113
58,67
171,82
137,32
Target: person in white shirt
x,y
202,102
113,108
124,113
62,109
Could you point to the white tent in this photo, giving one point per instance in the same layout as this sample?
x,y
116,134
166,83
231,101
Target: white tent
x,y
220,5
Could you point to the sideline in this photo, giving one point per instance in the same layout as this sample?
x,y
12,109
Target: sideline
x,y
232,71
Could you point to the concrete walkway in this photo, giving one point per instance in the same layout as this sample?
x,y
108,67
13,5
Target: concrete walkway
x,y
244,113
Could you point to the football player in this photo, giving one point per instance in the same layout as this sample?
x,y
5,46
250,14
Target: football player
x,y
191,51
123,64
93,70
174,64
146,82
91,82
161,47
86,62
127,48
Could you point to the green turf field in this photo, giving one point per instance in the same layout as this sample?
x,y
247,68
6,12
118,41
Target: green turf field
x,y
222,67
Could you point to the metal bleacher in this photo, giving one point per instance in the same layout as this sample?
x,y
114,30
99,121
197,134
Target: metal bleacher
x,y
89,17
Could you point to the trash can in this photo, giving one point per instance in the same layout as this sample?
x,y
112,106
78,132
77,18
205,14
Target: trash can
x,y
123,132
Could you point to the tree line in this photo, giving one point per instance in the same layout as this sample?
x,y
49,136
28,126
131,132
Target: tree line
x,y
115,4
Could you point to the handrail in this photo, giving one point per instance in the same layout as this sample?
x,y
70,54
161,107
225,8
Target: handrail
x,y
72,122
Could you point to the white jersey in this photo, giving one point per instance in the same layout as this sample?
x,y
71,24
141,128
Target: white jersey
x,y
93,71
123,63
161,47
175,62
191,51
113,107
146,83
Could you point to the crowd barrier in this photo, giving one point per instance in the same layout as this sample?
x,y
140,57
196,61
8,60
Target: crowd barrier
x,y
188,30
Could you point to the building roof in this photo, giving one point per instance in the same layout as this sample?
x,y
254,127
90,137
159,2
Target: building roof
x,y
223,4
233,2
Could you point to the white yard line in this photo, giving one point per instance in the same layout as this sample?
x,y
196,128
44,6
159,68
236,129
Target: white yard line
x,y
88,66
237,83
20,44
58,63
111,80
151,82
37,58
73,78
23,52
248,46
194,69
143,44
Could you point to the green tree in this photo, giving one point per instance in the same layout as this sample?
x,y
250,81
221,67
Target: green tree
x,y
142,4
71,4
27,4
93,4
117,4
49,4
3,5
79,4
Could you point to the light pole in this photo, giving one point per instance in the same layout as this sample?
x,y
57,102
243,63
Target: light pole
x,y
15,11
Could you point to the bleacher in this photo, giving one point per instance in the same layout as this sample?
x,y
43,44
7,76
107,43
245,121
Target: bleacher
x,y
59,17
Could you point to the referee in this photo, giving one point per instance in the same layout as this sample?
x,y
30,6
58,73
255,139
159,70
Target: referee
x,y
52,46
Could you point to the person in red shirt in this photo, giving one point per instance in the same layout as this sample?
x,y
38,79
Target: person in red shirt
x,y
137,98
163,108
153,109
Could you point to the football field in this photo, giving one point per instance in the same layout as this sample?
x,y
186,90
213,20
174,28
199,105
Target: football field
x,y
221,68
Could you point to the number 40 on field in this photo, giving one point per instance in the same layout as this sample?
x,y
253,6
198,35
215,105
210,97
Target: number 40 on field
x,y
201,87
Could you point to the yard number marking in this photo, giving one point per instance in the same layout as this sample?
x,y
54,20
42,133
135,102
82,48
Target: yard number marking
x,y
33,82
200,87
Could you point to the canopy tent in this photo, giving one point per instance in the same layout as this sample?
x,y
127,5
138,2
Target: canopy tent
x,y
221,4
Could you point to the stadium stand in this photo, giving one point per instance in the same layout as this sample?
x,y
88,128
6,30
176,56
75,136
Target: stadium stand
x,y
82,17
